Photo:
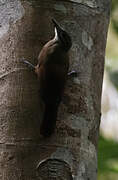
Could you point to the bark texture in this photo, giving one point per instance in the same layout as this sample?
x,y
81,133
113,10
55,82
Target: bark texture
x,y
71,153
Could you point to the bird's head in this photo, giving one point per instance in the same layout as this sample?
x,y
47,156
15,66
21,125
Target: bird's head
x,y
62,36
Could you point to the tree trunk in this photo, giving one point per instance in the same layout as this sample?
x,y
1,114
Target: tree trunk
x,y
71,153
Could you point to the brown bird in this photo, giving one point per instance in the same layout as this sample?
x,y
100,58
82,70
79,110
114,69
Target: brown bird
x,y
52,71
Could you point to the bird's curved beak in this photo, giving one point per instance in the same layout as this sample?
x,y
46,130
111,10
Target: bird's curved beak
x,y
57,26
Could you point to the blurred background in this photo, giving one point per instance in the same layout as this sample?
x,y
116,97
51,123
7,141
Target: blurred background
x,y
108,142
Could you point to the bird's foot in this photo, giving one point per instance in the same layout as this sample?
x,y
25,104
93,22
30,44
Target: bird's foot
x,y
31,66
72,73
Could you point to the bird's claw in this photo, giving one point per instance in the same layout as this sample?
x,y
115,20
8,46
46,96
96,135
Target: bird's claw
x,y
72,73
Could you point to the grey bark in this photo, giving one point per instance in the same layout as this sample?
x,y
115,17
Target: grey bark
x,y
71,153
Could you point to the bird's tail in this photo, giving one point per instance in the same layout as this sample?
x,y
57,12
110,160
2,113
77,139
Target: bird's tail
x,y
49,120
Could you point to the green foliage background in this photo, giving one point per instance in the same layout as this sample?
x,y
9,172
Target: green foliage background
x,y
107,160
108,149
114,15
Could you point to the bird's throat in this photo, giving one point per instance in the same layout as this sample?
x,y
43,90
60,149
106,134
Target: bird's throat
x,y
56,35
